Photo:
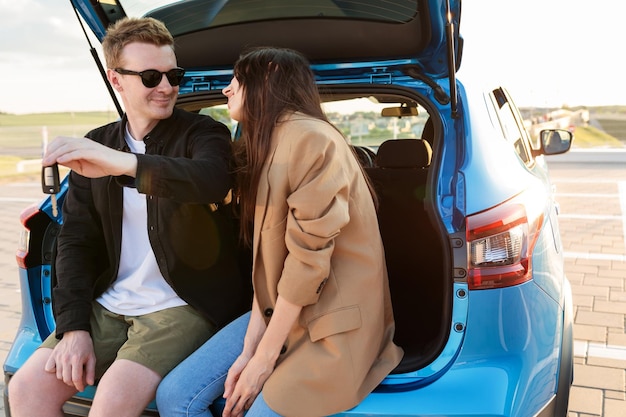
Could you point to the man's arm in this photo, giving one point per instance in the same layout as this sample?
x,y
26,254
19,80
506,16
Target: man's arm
x,y
195,168
89,158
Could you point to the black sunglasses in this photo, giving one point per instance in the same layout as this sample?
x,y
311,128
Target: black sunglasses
x,y
151,78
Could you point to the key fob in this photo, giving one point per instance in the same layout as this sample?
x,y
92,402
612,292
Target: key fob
x,y
50,182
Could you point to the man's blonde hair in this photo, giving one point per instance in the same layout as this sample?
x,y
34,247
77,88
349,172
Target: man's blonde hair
x,y
133,29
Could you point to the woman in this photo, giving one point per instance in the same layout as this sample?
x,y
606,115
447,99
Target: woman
x,y
319,336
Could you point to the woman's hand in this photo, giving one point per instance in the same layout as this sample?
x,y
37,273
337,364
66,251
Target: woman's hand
x,y
244,383
250,371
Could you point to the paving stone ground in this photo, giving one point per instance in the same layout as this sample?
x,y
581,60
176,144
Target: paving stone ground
x,y
14,197
592,220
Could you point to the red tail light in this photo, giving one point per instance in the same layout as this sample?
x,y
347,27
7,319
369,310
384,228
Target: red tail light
x,y
500,242
23,245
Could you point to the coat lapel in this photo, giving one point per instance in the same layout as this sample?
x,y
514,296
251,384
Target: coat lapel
x,y
262,198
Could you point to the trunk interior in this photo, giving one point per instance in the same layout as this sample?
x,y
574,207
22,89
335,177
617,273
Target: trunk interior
x,y
419,275
413,250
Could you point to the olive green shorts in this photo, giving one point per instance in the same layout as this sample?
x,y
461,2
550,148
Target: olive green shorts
x,y
158,340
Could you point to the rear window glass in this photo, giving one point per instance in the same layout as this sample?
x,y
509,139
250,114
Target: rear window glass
x,y
363,121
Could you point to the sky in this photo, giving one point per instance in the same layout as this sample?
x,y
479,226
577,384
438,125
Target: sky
x,y
545,52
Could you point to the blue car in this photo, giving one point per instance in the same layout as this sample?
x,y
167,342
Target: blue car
x,y
467,212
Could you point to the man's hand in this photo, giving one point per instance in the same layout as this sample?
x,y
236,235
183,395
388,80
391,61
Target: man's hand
x,y
89,158
73,360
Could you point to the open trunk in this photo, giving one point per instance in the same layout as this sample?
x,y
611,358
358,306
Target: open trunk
x,y
395,137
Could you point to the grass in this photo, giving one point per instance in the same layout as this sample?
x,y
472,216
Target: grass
x,y
10,167
613,126
8,163
31,168
22,136
57,119
591,137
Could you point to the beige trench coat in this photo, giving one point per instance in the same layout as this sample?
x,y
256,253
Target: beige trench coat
x,y
317,243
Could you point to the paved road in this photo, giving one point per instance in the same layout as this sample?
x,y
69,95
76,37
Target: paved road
x,y
592,196
14,196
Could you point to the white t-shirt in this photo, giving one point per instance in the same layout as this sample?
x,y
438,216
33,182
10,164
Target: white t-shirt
x,y
140,287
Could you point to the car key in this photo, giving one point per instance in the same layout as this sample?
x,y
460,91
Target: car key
x,y
51,185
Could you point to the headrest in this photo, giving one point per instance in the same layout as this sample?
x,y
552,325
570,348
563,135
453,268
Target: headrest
x,y
428,133
404,153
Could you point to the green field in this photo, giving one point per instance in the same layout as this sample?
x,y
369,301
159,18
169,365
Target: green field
x,y
591,137
57,119
613,126
22,136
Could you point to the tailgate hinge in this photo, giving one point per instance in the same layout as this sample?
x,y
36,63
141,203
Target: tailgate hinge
x,y
380,75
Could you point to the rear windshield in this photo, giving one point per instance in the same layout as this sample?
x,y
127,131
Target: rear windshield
x,y
364,121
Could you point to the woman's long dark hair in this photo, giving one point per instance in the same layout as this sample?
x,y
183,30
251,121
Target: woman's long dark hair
x,y
275,81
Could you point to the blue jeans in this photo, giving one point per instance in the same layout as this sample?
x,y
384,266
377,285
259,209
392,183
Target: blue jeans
x,y
190,388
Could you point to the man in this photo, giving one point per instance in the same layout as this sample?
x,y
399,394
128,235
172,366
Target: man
x,y
146,267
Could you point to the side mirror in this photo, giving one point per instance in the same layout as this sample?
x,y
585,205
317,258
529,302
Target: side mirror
x,y
400,111
555,141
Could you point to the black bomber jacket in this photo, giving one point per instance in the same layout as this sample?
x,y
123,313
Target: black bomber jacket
x,y
184,173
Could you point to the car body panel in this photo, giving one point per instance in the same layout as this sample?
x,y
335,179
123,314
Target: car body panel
x,y
429,373
28,336
493,152
511,383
